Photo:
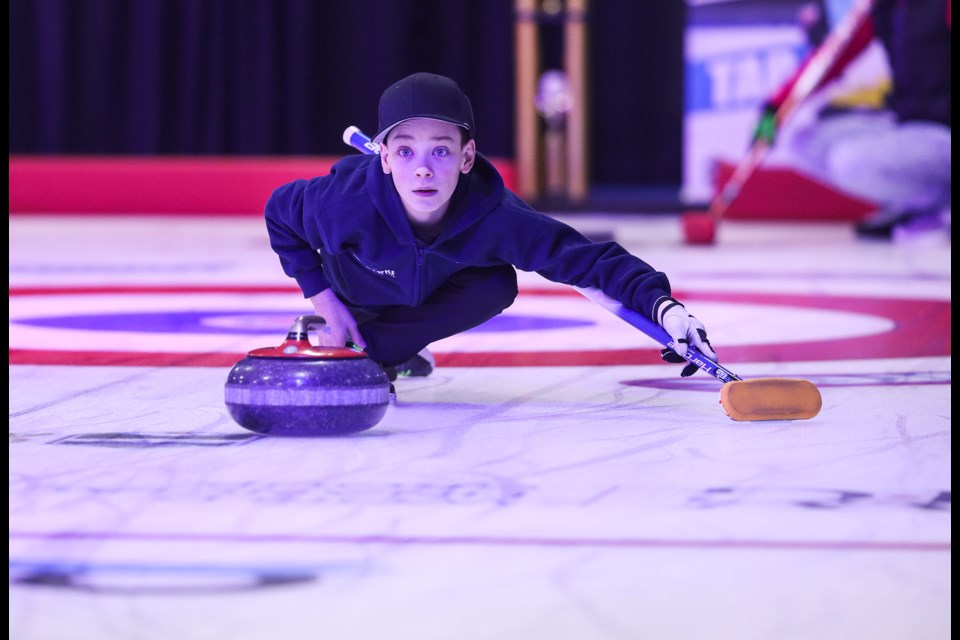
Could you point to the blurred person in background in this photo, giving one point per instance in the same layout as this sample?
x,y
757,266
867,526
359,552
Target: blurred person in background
x,y
888,144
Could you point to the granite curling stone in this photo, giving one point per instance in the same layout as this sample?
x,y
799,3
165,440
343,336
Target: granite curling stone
x,y
297,389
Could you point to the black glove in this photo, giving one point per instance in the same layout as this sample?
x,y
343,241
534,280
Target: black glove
x,y
684,329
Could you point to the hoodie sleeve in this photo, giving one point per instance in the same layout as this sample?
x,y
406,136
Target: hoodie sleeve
x,y
562,254
288,238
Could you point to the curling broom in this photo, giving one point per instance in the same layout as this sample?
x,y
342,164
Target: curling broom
x,y
742,400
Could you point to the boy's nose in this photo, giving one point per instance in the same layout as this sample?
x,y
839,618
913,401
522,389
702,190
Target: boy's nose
x,y
424,171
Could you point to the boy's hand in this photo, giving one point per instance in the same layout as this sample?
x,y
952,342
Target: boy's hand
x,y
684,329
339,325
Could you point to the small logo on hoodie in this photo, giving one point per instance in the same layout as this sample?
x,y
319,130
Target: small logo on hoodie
x,y
390,273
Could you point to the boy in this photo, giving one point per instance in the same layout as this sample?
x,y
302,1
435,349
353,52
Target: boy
x,y
420,243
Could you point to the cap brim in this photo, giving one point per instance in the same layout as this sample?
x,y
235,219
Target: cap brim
x,y
383,134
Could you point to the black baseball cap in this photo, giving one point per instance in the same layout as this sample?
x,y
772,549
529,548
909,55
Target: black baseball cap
x,y
424,95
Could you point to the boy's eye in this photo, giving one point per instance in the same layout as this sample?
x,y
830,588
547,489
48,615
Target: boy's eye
x,y
404,152
441,152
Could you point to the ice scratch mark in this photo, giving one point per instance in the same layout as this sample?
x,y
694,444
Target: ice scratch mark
x,y
816,498
149,440
599,496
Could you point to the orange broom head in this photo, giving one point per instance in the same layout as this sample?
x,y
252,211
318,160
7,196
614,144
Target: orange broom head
x,y
770,399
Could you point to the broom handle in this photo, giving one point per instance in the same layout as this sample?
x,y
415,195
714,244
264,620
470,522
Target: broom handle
x,y
658,333
805,84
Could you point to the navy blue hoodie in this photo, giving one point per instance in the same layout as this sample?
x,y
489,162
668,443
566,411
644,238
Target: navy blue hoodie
x,y
348,230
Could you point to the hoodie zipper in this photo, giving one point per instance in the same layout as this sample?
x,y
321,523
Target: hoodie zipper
x,y
418,275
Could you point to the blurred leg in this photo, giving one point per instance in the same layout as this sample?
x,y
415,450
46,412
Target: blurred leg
x,y
903,168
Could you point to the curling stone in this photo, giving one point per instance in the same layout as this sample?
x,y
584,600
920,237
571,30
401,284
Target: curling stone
x,y
297,389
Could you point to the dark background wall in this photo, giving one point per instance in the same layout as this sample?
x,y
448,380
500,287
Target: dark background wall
x,y
285,77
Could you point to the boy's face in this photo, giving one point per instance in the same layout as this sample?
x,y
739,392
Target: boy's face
x,y
426,158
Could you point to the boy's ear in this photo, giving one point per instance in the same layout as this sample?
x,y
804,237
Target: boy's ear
x,y
384,162
469,155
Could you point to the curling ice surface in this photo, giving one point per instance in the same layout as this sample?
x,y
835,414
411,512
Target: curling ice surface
x,y
597,498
